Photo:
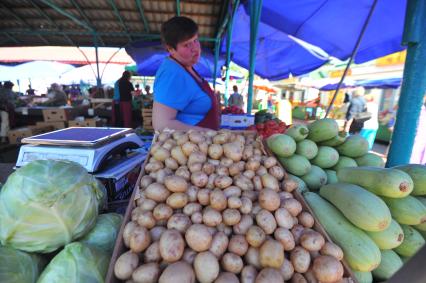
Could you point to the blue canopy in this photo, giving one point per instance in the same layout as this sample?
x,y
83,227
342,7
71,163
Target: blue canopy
x,y
333,86
149,56
277,54
334,25
383,83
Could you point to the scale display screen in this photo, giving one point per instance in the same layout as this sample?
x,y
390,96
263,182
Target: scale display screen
x,y
87,136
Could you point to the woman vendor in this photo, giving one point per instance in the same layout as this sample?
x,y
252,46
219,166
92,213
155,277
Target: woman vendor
x,y
182,98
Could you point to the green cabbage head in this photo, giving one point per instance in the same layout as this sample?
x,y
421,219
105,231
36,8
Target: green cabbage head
x,y
47,204
18,266
105,232
76,263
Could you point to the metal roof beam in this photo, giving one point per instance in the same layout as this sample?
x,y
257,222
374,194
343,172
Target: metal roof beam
x,y
46,16
177,7
87,20
141,11
67,14
117,14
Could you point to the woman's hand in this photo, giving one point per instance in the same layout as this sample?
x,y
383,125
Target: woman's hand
x,y
165,117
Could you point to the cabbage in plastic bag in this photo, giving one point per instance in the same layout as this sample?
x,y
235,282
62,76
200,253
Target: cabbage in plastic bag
x,y
19,267
105,232
76,263
47,204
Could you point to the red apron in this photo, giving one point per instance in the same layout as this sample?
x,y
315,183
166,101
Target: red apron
x,y
212,119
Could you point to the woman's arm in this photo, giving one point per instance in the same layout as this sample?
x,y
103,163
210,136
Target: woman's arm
x,y
165,117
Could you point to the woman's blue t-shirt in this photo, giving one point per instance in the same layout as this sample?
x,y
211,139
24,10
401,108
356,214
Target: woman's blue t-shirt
x,y
177,89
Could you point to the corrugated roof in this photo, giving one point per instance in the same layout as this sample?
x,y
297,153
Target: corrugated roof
x,y
113,23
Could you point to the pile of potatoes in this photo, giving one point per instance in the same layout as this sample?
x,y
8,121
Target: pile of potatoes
x,y
215,208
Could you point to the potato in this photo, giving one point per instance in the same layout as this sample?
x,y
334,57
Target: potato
x,y
269,181
269,199
208,168
223,182
195,167
192,207
249,174
146,219
162,212
300,259
215,151
255,236
156,232
172,245
152,253
163,136
266,221
198,237
327,269
128,230
222,170
192,192
178,272
155,146
232,263
227,277
206,267
183,172
252,257
203,196
241,165
140,239
284,196
179,221
177,200
146,181
211,217
238,245
213,162
248,152
219,244
271,254
242,227
248,274
176,184
161,176
231,216
297,232
269,162
189,255
252,165
257,181
298,278
197,157
178,155
277,172
312,240
181,139
125,265
261,171
161,154
195,136
204,147
232,191
233,151
189,147
199,179
243,182
234,202
292,205
153,166
157,192
332,250
284,218
269,275
169,144
148,273
197,217
306,219
234,170
246,205
286,270
285,237
221,138
218,200
289,185
256,209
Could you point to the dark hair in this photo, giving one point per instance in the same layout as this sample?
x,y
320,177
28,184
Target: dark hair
x,y
177,29
235,88
8,85
126,75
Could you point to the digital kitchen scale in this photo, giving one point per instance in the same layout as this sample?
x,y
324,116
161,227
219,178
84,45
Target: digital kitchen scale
x,y
95,148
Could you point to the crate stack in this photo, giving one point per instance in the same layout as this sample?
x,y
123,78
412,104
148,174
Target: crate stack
x,y
147,119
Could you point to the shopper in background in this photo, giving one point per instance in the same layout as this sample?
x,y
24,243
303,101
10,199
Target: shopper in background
x,y
370,127
126,92
116,117
56,96
183,99
7,109
236,99
356,106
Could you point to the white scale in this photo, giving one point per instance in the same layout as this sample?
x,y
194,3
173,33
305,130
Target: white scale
x,y
94,148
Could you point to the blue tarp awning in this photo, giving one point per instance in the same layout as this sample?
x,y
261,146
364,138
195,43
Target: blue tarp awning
x,y
382,83
333,86
149,56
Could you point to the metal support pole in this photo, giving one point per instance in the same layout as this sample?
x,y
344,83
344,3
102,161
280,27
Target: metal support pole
x,y
98,77
255,11
413,85
178,8
354,51
216,59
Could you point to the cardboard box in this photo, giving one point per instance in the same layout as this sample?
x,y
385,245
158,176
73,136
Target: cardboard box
x,y
55,125
16,135
59,114
236,121
87,123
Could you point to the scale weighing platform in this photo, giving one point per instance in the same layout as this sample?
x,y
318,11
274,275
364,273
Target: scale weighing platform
x,y
95,148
